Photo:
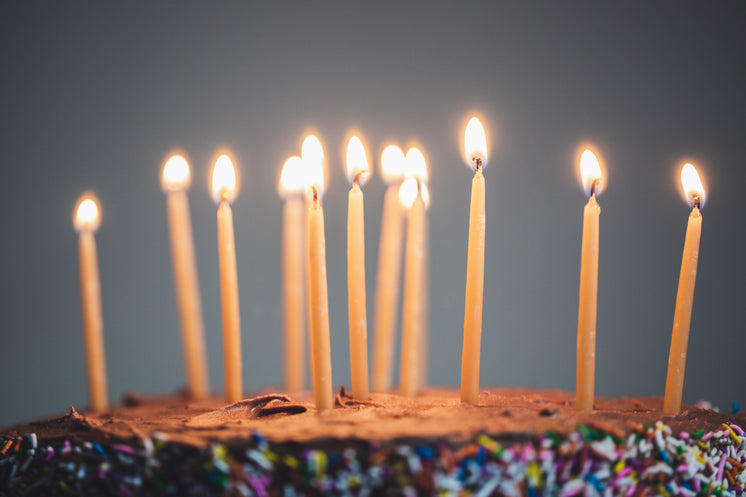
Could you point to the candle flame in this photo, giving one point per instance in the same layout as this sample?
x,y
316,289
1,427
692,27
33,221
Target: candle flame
x,y
392,164
312,154
694,191
313,179
86,217
224,180
590,173
292,180
357,162
176,174
408,192
475,143
311,150
415,165
425,192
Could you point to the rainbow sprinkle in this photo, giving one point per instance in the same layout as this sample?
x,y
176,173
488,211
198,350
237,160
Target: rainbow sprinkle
x,y
588,462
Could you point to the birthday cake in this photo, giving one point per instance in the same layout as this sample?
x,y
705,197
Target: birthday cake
x,y
515,442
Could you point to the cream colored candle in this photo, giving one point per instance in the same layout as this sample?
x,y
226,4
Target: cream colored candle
x,y
293,282
175,182
389,268
320,344
412,307
86,221
410,195
586,351
358,173
224,192
476,155
424,345
321,362
312,157
695,195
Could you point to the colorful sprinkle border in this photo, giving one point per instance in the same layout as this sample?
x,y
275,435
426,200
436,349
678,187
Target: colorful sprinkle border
x,y
589,462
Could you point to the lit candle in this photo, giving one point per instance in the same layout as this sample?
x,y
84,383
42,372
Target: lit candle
x,y
424,345
476,156
590,172
175,181
389,267
312,155
695,196
358,173
410,195
86,221
293,305
224,192
321,363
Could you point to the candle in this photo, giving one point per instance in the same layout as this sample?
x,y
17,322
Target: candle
x,y
224,192
86,221
312,155
293,230
590,172
410,196
695,196
321,363
476,156
389,267
175,181
423,347
358,173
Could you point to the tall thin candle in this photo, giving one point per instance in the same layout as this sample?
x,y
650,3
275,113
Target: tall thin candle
x,y
321,363
86,221
410,195
476,156
389,268
293,230
590,171
412,307
175,182
224,192
695,196
358,173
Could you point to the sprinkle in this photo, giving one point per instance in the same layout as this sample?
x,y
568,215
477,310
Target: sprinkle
x,y
123,448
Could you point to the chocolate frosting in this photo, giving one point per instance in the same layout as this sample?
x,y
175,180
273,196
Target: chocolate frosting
x,y
435,414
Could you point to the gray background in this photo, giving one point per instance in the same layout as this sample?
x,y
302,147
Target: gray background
x,y
95,96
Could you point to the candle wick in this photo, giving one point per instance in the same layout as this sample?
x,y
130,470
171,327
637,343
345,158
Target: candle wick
x,y
594,185
356,179
315,194
697,201
478,164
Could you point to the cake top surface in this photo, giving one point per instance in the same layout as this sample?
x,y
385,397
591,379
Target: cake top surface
x,y
437,413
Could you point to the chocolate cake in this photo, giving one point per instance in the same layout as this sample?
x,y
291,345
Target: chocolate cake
x,y
515,442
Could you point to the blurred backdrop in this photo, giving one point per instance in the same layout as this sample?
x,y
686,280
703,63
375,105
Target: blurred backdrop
x,y
94,95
